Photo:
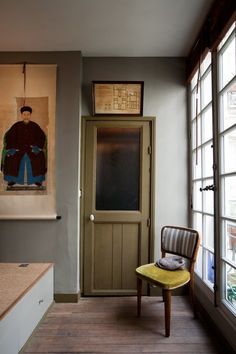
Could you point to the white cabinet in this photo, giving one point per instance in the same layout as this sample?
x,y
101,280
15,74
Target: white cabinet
x,y
22,317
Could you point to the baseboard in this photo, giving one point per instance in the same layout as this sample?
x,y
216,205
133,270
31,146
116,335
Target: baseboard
x,y
66,297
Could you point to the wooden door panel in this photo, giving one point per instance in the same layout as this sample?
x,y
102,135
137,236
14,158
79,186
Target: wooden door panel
x,y
102,268
116,241
129,255
115,256
117,260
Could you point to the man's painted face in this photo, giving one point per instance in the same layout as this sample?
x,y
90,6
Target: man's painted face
x,y
26,116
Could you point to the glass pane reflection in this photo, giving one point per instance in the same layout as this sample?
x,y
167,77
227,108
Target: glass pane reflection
x,y
118,166
228,63
228,106
230,196
209,230
229,149
230,285
208,198
206,90
230,244
210,268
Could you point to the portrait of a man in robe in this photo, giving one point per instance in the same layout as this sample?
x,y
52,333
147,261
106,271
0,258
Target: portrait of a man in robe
x,y
24,153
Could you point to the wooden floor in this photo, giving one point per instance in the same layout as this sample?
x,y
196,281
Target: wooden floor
x,y
109,325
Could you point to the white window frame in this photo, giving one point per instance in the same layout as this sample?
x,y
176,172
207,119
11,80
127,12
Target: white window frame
x,y
217,293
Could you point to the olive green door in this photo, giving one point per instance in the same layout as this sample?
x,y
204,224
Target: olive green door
x,y
116,204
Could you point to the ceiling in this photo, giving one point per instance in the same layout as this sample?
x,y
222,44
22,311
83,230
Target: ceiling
x,y
162,28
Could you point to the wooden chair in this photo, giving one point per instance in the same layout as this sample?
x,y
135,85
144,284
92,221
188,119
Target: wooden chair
x,y
179,241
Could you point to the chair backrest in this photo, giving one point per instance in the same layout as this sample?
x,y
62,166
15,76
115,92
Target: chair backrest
x,y
180,241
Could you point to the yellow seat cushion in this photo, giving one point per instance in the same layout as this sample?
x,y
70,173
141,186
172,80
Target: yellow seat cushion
x,y
166,279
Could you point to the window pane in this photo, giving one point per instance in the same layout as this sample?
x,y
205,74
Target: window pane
x,y
227,35
229,152
210,268
230,285
206,63
209,231
194,101
196,135
208,198
118,165
228,63
230,233
230,196
197,164
194,80
207,160
197,196
206,90
228,107
207,125
197,223
198,266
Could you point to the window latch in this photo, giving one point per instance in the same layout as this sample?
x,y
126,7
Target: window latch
x,y
211,187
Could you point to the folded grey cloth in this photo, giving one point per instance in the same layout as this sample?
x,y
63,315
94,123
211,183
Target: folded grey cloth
x,y
171,263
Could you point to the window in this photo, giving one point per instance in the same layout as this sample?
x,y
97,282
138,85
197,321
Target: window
x,y
226,97
202,169
214,209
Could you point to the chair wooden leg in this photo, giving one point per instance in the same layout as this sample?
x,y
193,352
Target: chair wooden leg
x,y
167,301
139,296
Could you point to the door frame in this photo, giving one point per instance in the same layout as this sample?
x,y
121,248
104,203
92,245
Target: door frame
x,y
84,120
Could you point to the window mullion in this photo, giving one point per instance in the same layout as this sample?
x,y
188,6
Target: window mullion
x,y
216,178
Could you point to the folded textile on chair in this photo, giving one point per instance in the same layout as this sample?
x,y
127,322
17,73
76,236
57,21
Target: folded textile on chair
x,y
171,263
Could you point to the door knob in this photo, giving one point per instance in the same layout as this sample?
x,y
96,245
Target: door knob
x,y
91,217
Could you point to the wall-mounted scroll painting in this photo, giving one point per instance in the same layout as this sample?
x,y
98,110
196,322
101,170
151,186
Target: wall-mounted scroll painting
x,y
27,141
117,97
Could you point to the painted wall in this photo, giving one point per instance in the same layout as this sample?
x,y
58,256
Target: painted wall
x,y
165,99
53,241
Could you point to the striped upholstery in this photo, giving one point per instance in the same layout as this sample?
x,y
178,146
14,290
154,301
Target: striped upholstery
x,y
179,241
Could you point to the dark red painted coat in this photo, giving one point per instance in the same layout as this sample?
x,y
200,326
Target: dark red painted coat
x,y
22,136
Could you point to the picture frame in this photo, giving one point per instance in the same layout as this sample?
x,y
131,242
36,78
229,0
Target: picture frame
x,y
117,98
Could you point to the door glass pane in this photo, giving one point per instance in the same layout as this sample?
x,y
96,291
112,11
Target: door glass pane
x,y
118,169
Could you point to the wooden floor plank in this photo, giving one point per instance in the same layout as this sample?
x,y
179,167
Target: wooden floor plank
x,y
110,325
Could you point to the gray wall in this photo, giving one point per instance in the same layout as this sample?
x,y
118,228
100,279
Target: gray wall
x,y
165,99
53,241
